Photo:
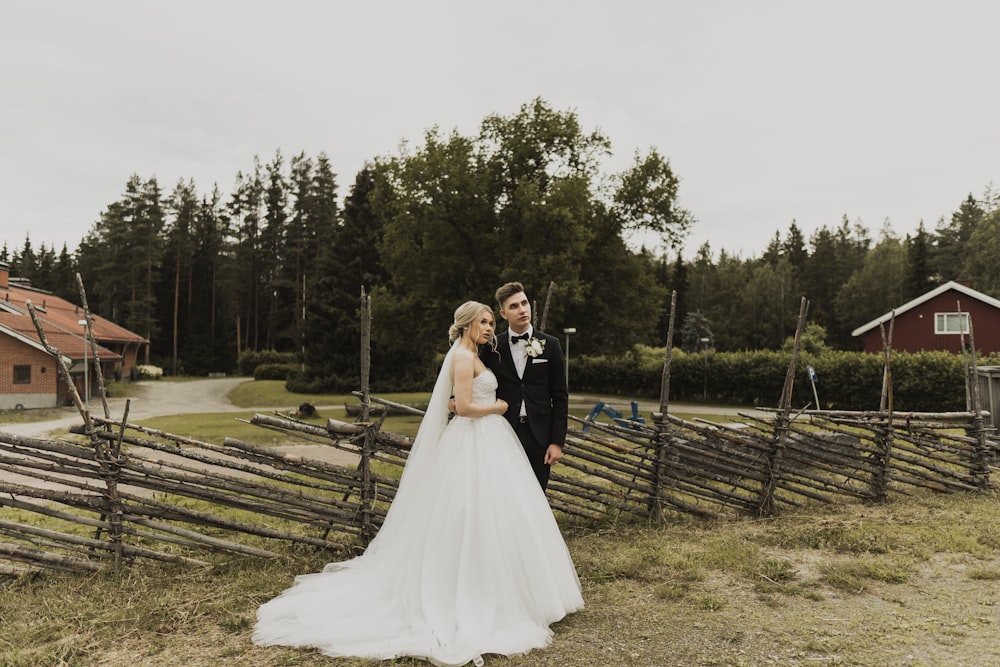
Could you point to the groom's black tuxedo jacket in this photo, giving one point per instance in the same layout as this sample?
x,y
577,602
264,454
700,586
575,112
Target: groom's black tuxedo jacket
x,y
543,387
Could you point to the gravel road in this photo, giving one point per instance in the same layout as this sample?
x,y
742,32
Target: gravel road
x,y
156,399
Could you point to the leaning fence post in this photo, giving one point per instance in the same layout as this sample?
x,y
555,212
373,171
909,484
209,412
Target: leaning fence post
x,y
110,471
111,464
89,333
366,353
662,440
367,495
665,377
765,503
980,468
883,434
545,310
885,403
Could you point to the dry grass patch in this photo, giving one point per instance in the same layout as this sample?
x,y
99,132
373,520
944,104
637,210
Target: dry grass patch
x,y
845,585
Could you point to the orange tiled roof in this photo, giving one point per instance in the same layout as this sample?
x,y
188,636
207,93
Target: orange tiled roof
x,y
60,322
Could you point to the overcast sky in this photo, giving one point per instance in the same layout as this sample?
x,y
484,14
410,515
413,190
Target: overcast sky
x,y
768,111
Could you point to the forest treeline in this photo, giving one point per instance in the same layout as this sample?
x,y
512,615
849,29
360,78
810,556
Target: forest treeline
x,y
280,261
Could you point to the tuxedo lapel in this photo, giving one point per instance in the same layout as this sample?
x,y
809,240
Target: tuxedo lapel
x,y
530,363
506,358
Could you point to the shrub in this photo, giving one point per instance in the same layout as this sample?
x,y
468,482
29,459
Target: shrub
x,y
148,371
274,371
305,383
921,381
250,360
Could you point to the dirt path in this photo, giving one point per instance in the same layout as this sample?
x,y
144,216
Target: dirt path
x,y
156,399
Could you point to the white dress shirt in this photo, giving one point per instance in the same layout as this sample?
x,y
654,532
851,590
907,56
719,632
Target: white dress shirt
x,y
519,352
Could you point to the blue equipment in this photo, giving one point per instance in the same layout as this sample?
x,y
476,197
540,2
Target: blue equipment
x,y
616,416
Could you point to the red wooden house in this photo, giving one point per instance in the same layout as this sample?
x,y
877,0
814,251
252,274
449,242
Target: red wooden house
x,y
29,375
939,320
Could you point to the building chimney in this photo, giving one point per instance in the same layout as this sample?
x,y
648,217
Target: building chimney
x,y
4,275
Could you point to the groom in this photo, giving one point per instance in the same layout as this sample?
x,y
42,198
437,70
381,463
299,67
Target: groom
x,y
531,375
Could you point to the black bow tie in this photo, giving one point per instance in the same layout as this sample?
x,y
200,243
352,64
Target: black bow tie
x,y
514,339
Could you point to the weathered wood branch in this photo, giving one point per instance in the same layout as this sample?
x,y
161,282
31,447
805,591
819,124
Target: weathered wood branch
x,y
46,559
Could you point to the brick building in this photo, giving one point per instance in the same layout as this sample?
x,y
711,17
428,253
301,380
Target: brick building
x,y
29,375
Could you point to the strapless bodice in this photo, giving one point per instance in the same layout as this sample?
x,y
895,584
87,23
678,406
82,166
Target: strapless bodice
x,y
484,388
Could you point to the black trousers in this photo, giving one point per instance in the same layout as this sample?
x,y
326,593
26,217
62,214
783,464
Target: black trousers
x,y
535,451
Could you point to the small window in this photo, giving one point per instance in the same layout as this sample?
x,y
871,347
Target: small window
x,y
951,323
22,374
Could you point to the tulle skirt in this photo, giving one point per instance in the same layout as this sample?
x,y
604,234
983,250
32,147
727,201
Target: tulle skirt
x,y
469,561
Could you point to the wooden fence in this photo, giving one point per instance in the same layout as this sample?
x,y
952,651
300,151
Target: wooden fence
x,y
122,492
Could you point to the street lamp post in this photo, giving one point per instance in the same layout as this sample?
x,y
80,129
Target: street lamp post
x,y
86,378
568,331
704,347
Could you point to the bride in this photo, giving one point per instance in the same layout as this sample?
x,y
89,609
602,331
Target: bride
x,y
469,559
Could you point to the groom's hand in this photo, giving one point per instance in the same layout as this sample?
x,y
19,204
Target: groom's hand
x,y
553,454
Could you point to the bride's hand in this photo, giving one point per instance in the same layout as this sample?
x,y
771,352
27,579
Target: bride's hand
x,y
502,404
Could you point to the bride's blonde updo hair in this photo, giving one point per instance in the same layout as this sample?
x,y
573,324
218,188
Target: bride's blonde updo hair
x,y
465,316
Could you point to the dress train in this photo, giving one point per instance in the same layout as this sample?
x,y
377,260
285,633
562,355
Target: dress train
x,y
469,561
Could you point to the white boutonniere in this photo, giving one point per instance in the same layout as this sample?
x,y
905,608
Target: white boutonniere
x,y
534,346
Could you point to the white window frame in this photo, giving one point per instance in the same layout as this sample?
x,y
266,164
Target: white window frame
x,y
949,323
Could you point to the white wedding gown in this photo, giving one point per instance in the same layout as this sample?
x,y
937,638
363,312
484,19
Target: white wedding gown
x,y
469,560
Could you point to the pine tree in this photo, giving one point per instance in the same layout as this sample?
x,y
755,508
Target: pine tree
x,y
279,255
951,240
175,312
347,261
210,343
919,277
244,210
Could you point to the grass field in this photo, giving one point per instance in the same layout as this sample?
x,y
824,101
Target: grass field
x,y
914,582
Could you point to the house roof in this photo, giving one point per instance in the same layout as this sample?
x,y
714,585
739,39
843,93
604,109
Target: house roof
x,y
27,340
951,285
59,320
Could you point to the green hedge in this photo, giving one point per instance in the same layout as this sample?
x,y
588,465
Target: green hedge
x,y
922,381
303,383
249,361
275,371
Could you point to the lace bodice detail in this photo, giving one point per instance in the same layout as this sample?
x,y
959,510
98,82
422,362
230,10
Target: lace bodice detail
x,y
484,388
